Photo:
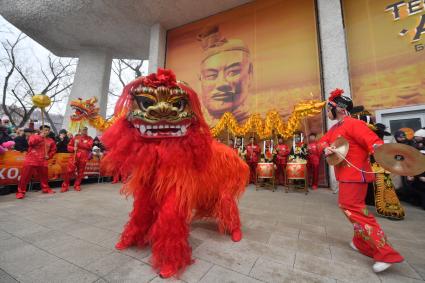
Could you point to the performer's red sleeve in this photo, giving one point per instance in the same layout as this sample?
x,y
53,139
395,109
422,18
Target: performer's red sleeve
x,y
70,146
35,139
257,149
361,133
86,145
52,150
324,142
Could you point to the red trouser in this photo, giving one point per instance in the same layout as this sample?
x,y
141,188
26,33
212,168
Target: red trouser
x,y
368,235
79,165
313,171
252,171
26,174
280,173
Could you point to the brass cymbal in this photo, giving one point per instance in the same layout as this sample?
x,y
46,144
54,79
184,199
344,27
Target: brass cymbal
x,y
400,159
341,146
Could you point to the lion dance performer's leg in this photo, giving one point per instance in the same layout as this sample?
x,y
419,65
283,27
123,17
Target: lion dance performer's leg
x,y
368,238
252,170
227,214
280,173
169,238
26,174
141,218
81,166
67,176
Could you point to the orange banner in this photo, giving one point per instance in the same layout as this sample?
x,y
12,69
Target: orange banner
x,y
11,163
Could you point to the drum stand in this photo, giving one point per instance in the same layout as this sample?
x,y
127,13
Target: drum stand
x,y
266,181
305,179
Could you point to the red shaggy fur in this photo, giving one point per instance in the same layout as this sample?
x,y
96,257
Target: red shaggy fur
x,y
174,180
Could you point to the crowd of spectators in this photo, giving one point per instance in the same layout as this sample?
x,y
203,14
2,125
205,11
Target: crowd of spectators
x,y
20,137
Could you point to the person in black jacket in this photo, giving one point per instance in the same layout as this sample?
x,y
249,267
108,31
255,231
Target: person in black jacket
x,y
62,141
21,141
4,136
96,142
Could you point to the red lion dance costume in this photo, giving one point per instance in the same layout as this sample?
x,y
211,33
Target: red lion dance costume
x,y
177,171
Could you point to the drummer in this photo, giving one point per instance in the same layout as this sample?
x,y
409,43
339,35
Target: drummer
x,y
252,157
281,152
369,239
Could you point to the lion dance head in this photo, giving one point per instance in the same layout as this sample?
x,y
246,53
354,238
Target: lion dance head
x,y
161,120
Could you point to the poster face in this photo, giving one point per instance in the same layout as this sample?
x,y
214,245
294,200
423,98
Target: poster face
x,y
252,59
385,40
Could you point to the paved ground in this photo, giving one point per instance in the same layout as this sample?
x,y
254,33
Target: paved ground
x,y
288,238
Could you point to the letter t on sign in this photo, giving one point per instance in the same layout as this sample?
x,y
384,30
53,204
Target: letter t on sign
x,y
394,8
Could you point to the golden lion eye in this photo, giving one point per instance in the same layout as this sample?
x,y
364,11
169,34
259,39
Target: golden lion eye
x,y
180,104
144,102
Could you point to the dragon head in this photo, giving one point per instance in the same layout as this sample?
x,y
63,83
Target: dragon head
x,y
159,106
84,109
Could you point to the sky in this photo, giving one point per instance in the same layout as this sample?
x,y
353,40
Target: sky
x,y
33,54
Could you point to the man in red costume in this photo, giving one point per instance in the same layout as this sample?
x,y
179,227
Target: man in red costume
x,y
40,150
81,146
313,160
369,239
281,152
252,157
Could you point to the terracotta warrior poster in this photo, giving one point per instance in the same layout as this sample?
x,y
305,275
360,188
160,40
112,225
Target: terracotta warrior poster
x,y
254,58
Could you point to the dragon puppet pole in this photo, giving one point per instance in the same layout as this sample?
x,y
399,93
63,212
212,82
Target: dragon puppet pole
x,y
76,146
306,130
41,101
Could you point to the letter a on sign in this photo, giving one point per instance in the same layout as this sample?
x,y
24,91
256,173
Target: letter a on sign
x,y
420,29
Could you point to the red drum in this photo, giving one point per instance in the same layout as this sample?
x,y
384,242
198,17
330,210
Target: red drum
x,y
296,171
265,170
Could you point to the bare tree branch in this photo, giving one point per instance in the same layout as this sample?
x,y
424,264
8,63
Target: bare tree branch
x,y
11,55
54,80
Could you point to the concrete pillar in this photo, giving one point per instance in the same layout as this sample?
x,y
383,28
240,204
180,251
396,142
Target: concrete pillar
x,y
91,79
334,53
157,45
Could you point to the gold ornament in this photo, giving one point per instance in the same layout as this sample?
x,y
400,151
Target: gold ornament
x,y
272,124
41,100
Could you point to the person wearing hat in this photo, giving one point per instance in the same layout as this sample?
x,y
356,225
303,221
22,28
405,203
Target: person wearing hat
x,y
40,150
419,140
401,137
81,146
4,136
5,121
62,141
381,131
369,239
